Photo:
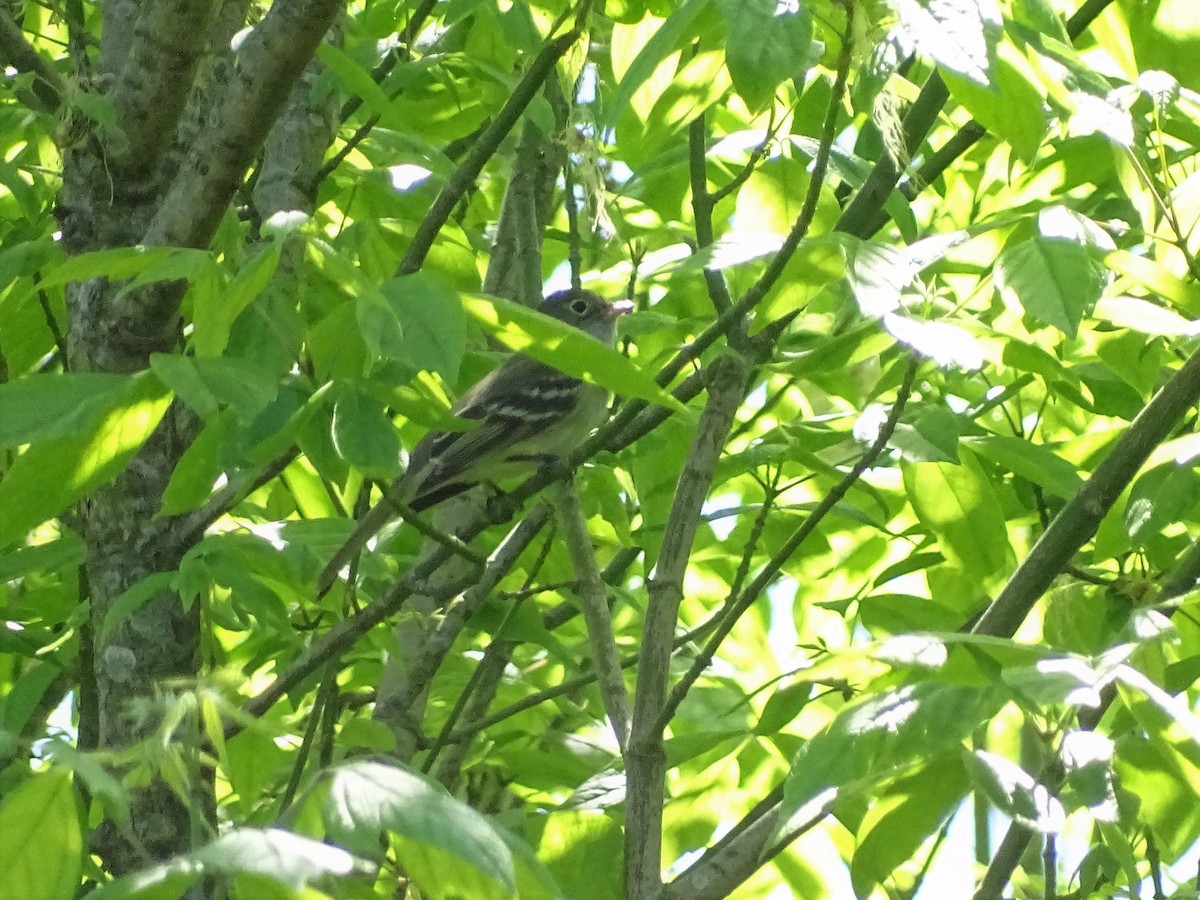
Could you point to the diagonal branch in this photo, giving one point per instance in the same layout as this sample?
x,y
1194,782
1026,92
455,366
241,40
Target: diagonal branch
x,y
752,591
48,86
268,65
1079,519
485,147
593,600
864,215
460,610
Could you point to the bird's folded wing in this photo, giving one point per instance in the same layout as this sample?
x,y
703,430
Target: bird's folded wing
x,y
516,403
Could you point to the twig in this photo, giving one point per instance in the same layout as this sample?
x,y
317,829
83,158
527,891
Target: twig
x,y
60,339
702,209
423,668
767,574
370,524
592,595
483,150
49,89
1078,520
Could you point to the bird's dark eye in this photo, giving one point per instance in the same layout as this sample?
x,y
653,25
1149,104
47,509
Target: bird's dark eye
x,y
579,307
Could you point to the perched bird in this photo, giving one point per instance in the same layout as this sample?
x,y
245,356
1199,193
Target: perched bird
x,y
529,412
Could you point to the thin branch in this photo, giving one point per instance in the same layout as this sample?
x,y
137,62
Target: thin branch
x,y
1078,520
645,761
411,28
459,611
702,209
1004,862
486,146
719,870
360,134
48,89
743,175
754,590
323,699
1000,869
862,217
471,705
467,732
192,526
1085,16
389,506
865,216
592,595
60,339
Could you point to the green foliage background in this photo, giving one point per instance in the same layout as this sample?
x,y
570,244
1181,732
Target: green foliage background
x,y
937,369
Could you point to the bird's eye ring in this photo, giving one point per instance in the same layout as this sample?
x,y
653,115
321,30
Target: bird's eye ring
x,y
579,307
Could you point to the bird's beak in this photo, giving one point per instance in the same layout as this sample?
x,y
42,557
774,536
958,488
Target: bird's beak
x,y
619,308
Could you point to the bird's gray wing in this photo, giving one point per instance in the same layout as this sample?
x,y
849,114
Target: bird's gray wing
x,y
517,401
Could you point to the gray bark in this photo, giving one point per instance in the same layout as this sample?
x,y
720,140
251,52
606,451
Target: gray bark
x,y
123,188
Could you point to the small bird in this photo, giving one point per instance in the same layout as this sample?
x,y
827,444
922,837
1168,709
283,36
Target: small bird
x,y
529,412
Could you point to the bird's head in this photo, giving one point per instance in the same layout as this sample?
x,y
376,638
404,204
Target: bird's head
x,y
587,311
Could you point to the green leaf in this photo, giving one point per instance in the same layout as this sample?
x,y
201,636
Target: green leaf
x,y
64,552
783,706
364,436
1145,317
664,41
52,475
27,258
1034,462
433,328
959,506
358,82
447,848
1057,680
208,385
699,83
566,348
1017,793
1164,783
947,345
1157,279
768,44
41,837
198,469
380,325
534,881
216,311
120,263
44,407
931,437
1054,276
285,858
877,738
897,824
1160,498
25,693
957,35
1011,106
